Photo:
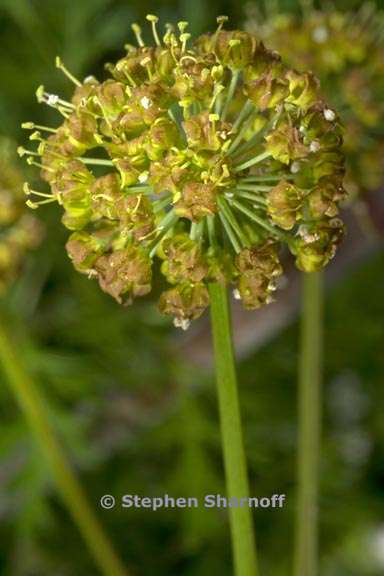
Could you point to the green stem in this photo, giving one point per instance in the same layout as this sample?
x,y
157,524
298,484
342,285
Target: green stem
x,y
95,161
309,407
256,218
252,161
36,413
230,93
243,541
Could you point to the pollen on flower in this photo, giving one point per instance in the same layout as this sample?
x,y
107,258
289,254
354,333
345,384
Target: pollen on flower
x,y
182,323
236,294
52,99
208,156
314,146
329,115
146,102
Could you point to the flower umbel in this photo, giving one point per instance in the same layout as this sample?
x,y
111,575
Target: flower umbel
x,y
20,232
345,50
207,155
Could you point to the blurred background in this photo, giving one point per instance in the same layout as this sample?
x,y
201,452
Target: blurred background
x,y
135,402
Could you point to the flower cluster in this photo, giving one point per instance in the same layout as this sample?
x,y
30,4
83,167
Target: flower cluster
x,y
19,230
345,50
206,156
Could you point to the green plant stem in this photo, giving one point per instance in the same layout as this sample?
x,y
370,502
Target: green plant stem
x,y
242,532
309,417
36,413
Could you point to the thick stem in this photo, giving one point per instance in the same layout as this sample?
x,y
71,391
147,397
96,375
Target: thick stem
x,y
309,408
36,413
243,540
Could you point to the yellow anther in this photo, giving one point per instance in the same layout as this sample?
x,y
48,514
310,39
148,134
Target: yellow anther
x,y
59,64
21,151
31,204
145,61
40,94
26,189
182,26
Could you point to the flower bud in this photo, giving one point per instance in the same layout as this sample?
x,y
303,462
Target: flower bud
x,y
193,83
262,258
164,64
56,152
316,245
111,96
84,249
80,129
105,192
83,94
284,202
303,89
184,260
253,289
136,215
163,134
324,198
197,201
206,133
285,144
184,301
125,274
257,268
72,189
267,91
168,175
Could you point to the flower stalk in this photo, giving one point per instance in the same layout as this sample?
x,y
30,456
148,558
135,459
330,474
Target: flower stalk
x,y
242,532
309,408
35,411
